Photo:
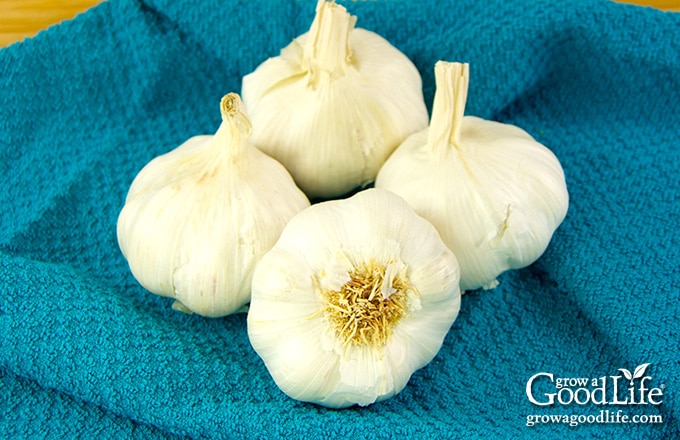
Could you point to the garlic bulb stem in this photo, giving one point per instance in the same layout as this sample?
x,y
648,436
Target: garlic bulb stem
x,y
232,108
448,107
234,132
326,51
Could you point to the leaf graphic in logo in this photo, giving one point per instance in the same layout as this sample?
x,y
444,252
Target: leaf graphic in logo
x,y
640,371
626,373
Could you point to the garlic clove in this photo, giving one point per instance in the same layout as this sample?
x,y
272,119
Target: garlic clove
x,y
197,219
334,104
354,297
495,195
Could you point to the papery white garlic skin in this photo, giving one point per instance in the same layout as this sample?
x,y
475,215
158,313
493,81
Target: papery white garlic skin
x,y
197,219
294,324
334,104
493,192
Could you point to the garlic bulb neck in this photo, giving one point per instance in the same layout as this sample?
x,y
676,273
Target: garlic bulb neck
x,y
326,51
233,110
235,129
448,107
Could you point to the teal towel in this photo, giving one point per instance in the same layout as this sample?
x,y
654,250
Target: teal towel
x,y
86,352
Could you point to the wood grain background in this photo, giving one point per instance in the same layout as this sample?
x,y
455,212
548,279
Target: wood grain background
x,y
24,18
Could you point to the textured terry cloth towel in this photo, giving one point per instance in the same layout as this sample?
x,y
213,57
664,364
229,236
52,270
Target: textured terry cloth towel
x,y
86,352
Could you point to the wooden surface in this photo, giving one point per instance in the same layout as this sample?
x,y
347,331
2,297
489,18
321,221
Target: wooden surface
x,y
24,18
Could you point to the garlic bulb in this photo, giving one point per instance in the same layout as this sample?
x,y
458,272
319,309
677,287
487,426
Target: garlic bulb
x,y
355,296
197,219
334,104
494,194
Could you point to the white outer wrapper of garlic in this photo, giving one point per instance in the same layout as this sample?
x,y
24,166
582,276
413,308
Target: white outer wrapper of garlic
x,y
334,104
197,219
493,192
355,296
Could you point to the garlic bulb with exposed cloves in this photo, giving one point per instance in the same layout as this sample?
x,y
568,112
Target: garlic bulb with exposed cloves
x,y
354,297
334,104
494,193
197,219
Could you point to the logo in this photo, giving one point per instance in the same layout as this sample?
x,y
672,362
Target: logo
x,y
544,389
634,391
